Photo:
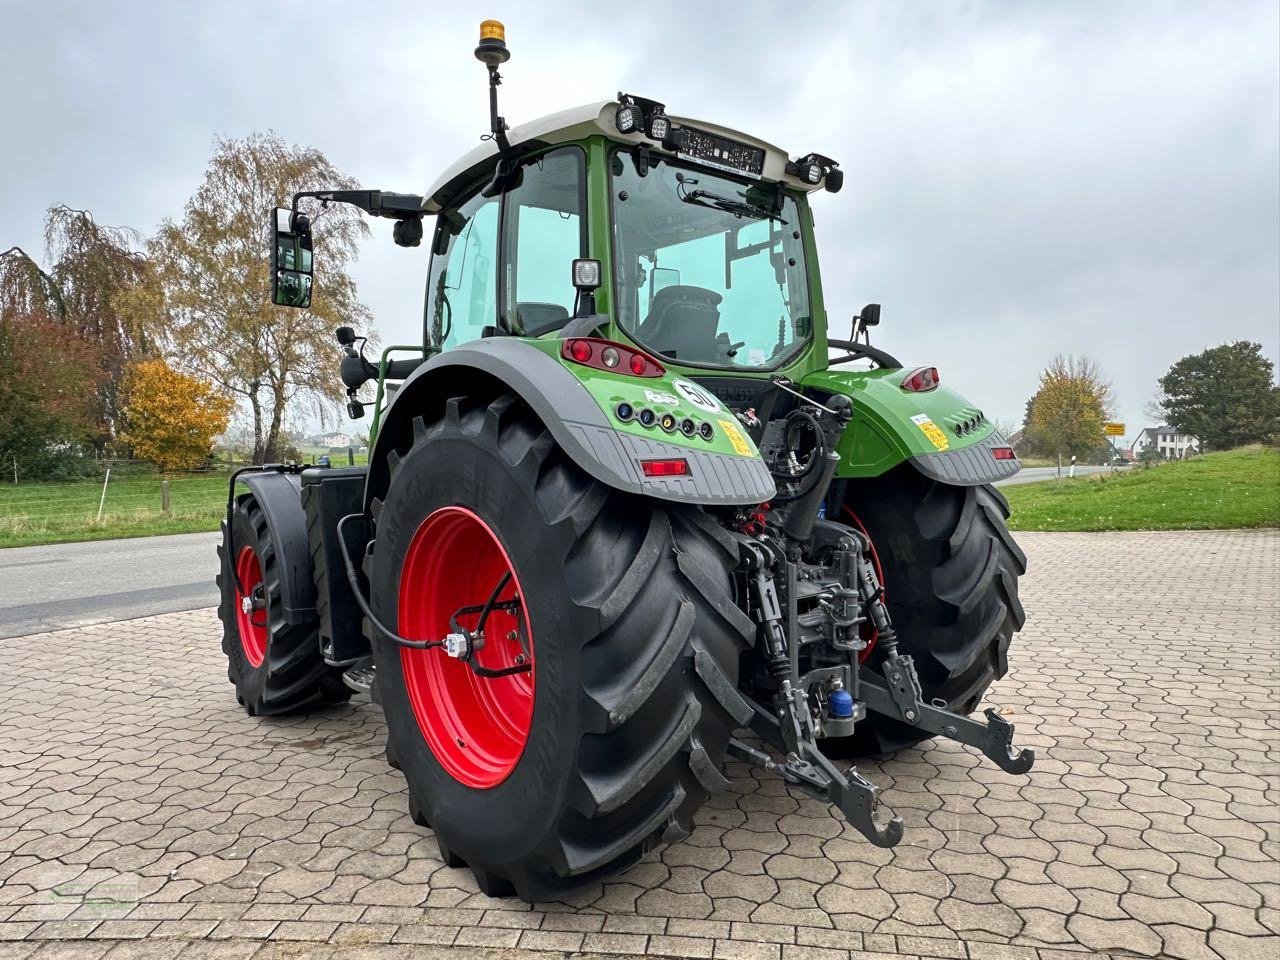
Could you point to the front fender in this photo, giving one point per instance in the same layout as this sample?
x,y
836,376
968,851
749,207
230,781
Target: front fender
x,y
893,426
578,413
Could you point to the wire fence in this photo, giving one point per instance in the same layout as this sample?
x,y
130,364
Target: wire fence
x,y
123,497
125,490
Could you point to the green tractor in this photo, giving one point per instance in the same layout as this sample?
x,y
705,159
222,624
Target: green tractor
x,y
624,515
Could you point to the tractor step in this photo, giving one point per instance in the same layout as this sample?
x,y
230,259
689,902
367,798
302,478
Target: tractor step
x,y
359,677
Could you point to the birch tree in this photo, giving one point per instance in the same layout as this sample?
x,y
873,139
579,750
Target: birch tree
x,y
212,286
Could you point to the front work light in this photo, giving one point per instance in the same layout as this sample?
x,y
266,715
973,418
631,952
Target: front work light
x,y
659,128
627,119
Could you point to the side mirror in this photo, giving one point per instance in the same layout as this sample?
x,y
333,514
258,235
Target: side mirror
x,y
291,258
870,315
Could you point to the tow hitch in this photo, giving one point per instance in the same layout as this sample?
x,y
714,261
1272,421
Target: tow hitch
x,y
808,615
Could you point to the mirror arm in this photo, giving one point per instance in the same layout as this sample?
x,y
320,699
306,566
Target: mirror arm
x,y
377,203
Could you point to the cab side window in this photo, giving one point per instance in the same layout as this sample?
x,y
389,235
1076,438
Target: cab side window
x,y
462,291
539,229
543,232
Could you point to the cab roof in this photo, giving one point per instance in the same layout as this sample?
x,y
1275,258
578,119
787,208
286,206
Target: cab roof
x,y
576,123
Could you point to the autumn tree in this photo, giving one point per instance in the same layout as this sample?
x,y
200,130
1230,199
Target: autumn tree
x,y
213,284
1067,414
50,407
1225,396
170,417
87,290
96,269
26,290
48,396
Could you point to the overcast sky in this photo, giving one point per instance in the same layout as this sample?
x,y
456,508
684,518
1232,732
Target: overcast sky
x,y
1022,179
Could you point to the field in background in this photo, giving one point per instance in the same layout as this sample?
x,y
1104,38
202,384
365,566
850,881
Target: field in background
x,y
1217,491
62,512
36,513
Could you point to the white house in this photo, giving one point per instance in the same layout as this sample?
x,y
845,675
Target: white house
x,y
335,439
1170,444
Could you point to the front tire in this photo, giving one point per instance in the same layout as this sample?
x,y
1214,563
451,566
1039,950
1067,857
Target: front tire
x,y
276,666
634,646
950,572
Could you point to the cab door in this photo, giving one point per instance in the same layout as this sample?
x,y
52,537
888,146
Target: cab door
x,y
503,264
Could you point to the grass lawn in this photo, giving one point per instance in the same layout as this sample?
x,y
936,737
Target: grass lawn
x,y
62,512
1218,491
1239,488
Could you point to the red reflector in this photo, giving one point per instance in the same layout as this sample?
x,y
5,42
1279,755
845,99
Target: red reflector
x,y
580,350
665,468
921,379
1003,453
637,364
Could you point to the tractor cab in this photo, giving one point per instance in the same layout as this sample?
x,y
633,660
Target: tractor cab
x,y
680,238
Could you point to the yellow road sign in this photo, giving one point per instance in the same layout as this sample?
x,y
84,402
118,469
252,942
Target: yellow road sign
x,y
1114,429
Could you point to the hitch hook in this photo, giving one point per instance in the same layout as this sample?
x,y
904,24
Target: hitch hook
x,y
999,746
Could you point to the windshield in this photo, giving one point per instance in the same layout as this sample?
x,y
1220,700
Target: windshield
x,y
709,270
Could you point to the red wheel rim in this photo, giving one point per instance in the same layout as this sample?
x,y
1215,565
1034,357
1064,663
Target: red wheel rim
x,y
869,632
252,623
476,727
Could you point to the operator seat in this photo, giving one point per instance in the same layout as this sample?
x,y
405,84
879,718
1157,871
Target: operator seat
x,y
682,323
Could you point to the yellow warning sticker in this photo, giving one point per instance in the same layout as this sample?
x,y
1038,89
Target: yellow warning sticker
x,y
932,431
736,438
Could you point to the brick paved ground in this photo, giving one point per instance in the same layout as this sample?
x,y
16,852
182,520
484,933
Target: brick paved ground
x,y
137,801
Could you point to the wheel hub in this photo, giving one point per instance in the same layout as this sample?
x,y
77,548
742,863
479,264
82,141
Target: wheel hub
x,y
474,711
251,603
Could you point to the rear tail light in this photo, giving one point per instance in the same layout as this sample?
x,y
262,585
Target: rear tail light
x,y
607,355
665,468
1003,453
921,380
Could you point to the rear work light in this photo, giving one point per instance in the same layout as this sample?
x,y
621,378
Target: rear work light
x,y
1003,453
606,355
665,468
921,380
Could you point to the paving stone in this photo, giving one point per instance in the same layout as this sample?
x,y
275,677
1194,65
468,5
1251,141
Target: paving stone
x,y
1148,825
681,946
617,943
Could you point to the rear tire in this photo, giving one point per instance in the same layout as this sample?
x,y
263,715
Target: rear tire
x,y
276,666
634,640
951,572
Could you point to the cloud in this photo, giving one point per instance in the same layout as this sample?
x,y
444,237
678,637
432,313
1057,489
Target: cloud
x,y
1021,179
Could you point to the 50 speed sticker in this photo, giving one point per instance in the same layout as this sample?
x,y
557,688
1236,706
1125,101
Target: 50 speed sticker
x,y
696,395
931,431
734,432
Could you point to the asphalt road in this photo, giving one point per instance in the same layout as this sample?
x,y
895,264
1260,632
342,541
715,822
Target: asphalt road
x,y
76,584
1032,474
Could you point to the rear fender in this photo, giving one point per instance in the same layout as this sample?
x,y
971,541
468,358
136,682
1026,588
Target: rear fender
x,y
574,416
939,432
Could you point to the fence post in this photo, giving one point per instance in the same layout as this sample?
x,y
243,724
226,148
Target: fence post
x,y
351,457
15,469
103,500
164,496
